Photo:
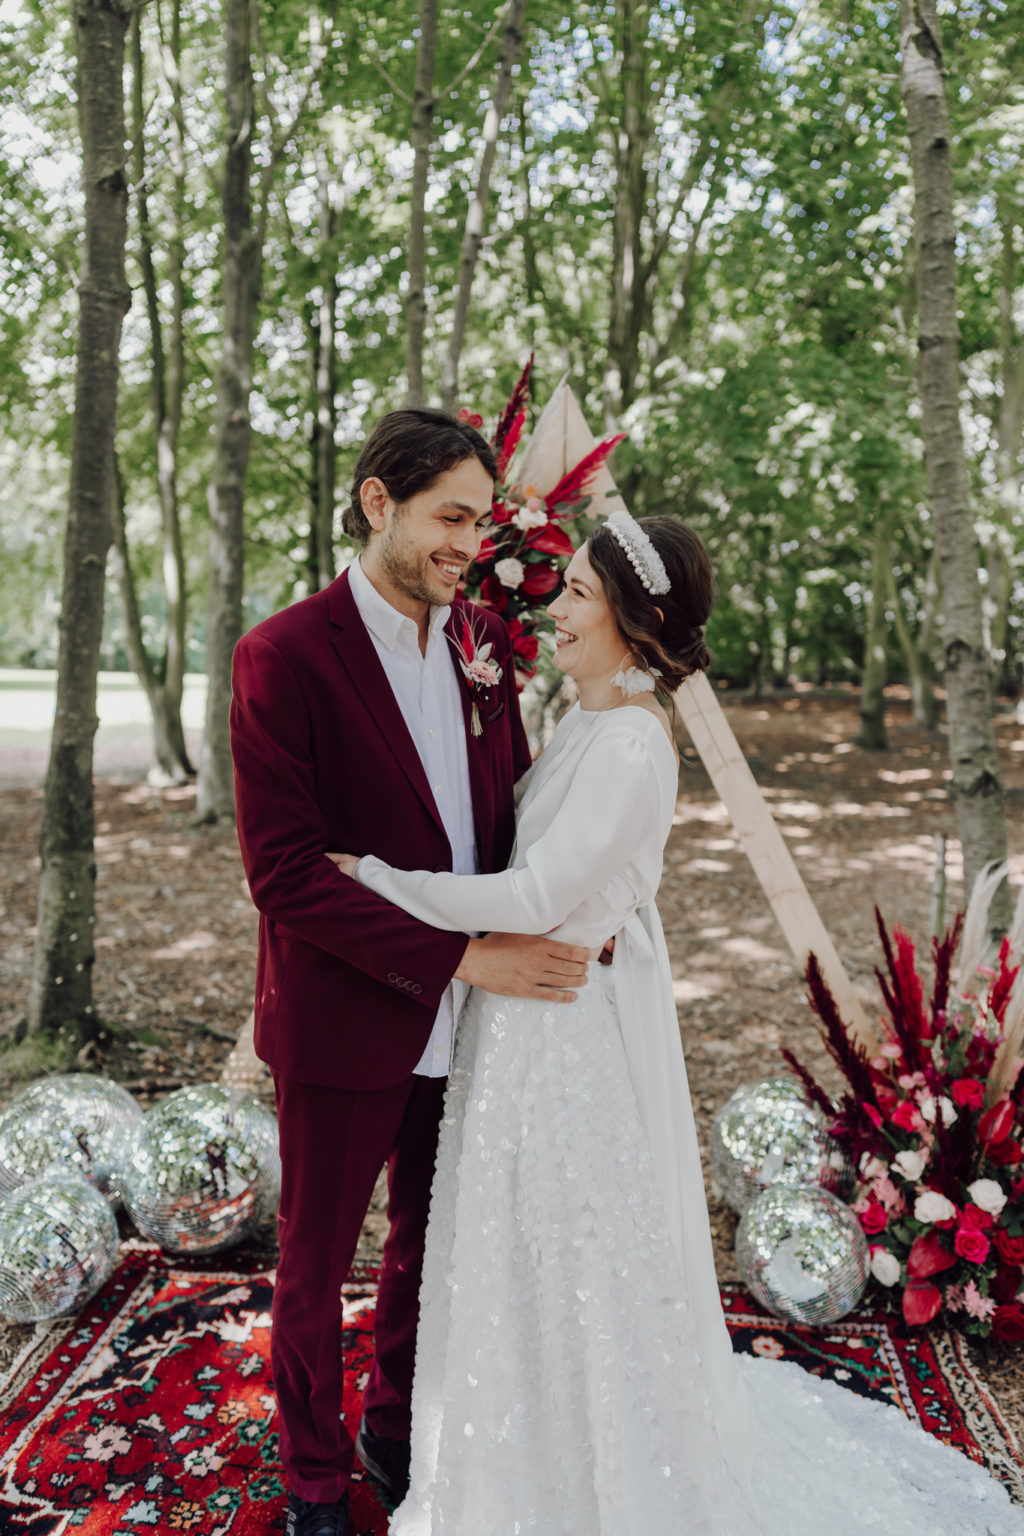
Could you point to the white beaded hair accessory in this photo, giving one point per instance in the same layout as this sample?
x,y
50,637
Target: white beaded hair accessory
x,y
640,552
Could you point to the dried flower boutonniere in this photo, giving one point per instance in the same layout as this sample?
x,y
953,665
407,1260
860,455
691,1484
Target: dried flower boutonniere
x,y
480,672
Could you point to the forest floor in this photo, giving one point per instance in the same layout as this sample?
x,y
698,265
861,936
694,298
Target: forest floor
x,y
176,931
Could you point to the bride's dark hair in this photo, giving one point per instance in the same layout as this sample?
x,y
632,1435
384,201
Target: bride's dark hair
x,y
672,641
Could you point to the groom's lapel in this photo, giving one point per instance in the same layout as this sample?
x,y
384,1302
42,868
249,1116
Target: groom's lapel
x,y
481,784
358,656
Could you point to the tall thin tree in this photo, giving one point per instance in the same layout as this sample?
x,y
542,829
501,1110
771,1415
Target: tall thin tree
x,y
977,783
61,999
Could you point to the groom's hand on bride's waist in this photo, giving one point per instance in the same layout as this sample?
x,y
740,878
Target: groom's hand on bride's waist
x,y
520,965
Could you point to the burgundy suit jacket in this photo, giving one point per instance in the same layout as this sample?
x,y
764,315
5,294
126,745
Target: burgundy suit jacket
x,y
347,986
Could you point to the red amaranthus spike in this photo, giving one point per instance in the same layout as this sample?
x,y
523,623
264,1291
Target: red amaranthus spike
x,y
510,444
572,485
814,1092
943,951
468,649
516,406
910,985
1003,984
850,1057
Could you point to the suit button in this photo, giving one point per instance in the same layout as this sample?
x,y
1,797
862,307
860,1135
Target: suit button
x,y
392,976
417,988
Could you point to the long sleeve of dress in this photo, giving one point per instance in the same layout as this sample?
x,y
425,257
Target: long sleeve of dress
x,y
611,812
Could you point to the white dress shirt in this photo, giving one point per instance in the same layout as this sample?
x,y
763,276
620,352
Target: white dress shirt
x,y
426,689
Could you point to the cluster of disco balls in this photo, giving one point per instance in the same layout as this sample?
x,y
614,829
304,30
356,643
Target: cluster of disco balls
x,y
800,1250
197,1173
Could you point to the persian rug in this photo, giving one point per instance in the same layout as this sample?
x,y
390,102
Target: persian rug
x,y
152,1410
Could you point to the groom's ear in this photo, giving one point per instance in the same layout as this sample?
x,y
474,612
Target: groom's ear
x,y
374,498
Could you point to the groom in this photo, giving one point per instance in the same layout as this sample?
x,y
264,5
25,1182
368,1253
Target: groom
x,y
350,725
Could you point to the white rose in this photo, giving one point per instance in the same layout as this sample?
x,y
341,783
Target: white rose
x,y
885,1266
926,1105
988,1194
931,1206
510,572
910,1164
527,519
870,1167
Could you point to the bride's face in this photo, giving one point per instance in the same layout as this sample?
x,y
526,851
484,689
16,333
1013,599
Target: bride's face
x,y
588,644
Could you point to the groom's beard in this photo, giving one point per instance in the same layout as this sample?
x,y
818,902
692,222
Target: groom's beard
x,y
411,569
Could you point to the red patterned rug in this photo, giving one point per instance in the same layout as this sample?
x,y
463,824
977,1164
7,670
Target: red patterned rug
x,y
152,1411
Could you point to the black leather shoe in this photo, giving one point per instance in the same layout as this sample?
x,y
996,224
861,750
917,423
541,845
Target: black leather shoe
x,y
386,1460
308,1519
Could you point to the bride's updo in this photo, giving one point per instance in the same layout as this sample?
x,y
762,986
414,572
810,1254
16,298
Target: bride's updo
x,y
673,644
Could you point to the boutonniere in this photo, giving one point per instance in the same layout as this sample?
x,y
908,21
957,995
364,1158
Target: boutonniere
x,y
480,672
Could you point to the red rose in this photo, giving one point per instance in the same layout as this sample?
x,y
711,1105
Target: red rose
x,y
1005,1283
493,594
972,1245
486,552
968,1093
501,512
1008,1246
540,579
906,1116
526,647
1008,1322
976,1219
921,1302
874,1218
1005,1152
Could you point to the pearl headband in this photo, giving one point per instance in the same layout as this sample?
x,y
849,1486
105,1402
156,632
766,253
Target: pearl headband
x,y
639,551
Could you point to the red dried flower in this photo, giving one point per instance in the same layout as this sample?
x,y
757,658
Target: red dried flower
x,y
921,1302
1005,1153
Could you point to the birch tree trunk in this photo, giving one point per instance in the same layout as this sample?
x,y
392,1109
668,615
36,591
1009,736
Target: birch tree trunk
x,y
917,653
1009,431
232,426
60,998
977,785
872,733
422,139
472,238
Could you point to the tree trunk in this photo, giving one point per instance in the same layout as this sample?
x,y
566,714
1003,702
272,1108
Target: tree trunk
x,y
322,567
917,654
630,200
60,999
164,685
472,239
232,425
421,138
872,734
977,785
1009,430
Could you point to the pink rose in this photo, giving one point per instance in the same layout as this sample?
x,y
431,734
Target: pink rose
x,y
907,1116
976,1219
971,1245
873,1219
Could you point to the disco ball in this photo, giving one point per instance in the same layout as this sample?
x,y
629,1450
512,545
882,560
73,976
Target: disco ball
x,y
205,1169
766,1134
802,1254
58,1243
74,1122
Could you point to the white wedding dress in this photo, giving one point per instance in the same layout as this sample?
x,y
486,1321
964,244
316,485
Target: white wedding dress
x,y
574,1375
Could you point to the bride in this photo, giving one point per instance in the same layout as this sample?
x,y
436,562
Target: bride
x,y
574,1375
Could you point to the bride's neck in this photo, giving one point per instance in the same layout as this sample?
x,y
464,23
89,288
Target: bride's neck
x,y
598,693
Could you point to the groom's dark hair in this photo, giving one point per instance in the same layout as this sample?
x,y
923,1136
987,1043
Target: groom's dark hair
x,y
409,450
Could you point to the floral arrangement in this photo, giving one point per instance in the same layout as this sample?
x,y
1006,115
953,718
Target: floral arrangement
x,y
520,564
934,1125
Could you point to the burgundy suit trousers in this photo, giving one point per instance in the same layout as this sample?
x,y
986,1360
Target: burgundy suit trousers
x,y
334,1143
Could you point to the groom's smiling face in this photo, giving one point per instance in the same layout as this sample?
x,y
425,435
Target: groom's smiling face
x,y
419,550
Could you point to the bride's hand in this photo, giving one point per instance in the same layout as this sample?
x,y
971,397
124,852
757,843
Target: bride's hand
x,y
346,862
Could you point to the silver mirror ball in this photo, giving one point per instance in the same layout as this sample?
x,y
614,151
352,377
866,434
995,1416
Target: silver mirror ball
x,y
58,1243
76,1121
205,1169
802,1254
767,1134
